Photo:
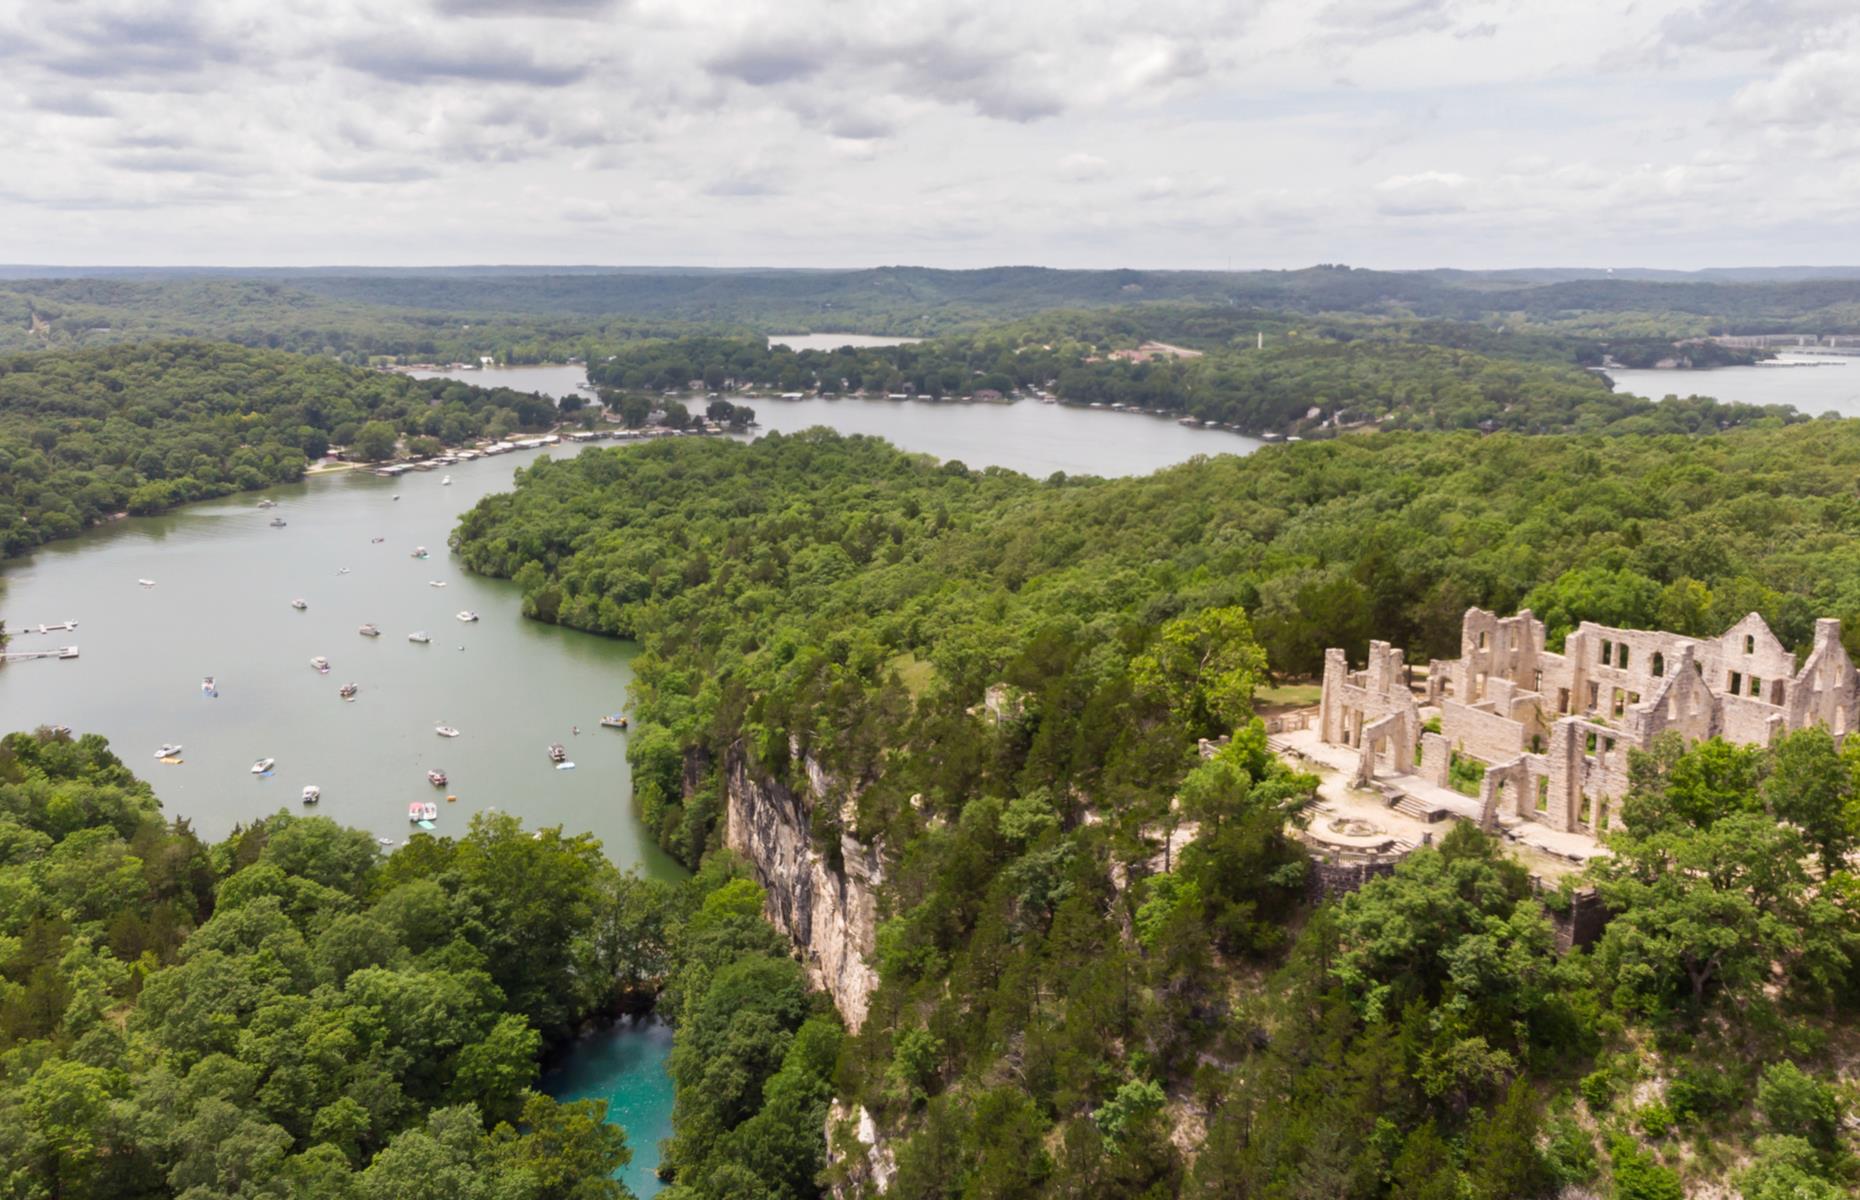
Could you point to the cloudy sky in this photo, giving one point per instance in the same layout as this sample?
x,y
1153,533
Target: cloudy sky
x,y
1166,133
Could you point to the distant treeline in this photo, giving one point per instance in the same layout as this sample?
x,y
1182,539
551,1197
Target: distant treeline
x,y
1311,376
530,317
141,428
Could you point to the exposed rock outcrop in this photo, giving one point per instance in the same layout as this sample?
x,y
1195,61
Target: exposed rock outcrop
x,y
830,913
859,1160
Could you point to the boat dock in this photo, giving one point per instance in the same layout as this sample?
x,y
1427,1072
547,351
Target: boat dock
x,y
60,627
23,655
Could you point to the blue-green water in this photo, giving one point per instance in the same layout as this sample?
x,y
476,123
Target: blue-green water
x,y
625,1066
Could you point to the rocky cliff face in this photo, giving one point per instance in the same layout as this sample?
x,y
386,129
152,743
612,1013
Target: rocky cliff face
x,y
829,914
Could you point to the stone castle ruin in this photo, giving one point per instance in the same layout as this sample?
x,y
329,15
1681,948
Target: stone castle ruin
x,y
1553,730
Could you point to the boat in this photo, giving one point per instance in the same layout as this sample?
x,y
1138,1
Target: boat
x,y
384,841
419,552
342,570
347,691
436,777
369,631
420,636
435,583
613,721
300,604
423,813
146,582
277,522
467,615
446,482
445,731
208,687
263,766
268,503
312,793
68,652
565,766
321,664
557,753
450,798
169,750
376,541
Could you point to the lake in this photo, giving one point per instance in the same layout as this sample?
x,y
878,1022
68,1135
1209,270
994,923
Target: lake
x,y
550,379
1813,383
833,341
1027,436
221,606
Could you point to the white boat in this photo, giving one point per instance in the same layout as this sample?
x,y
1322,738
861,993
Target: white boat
x,y
385,841
445,731
420,636
614,721
208,687
146,582
321,664
467,615
565,766
422,810
369,631
342,570
347,691
312,793
376,541
268,503
435,583
169,750
300,604
446,482
263,766
419,552
557,753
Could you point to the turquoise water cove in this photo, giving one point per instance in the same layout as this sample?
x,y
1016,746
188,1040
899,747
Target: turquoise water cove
x,y
625,1066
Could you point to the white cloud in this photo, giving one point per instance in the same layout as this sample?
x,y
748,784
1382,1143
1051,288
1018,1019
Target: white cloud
x,y
1174,133
1427,194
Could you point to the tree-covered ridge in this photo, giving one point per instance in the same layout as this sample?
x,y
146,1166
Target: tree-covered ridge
x,y
920,301
276,314
535,313
725,558
1312,378
288,1014
141,428
1099,972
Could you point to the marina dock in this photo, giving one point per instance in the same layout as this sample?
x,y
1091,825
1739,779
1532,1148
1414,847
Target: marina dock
x,y
23,655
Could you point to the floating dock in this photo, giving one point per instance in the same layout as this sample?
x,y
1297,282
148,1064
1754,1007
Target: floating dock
x,y
23,655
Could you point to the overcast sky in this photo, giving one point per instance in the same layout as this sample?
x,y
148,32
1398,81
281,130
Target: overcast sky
x,y
957,133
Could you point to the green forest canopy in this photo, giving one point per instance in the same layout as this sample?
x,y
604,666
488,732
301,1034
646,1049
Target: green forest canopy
x,y
141,428
1314,378
290,1014
1058,997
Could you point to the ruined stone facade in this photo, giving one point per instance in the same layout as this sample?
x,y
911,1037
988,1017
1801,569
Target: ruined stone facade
x,y
1554,729
1373,709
